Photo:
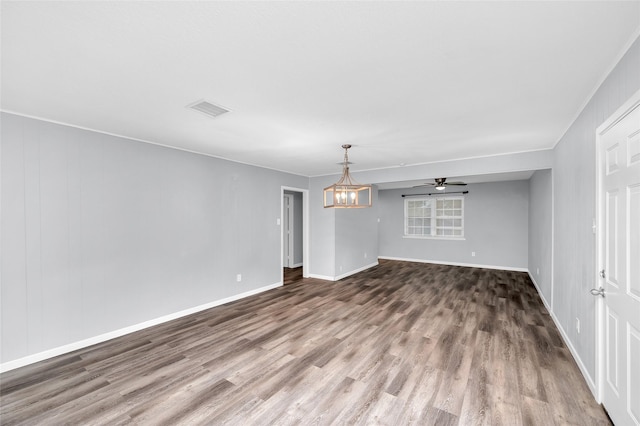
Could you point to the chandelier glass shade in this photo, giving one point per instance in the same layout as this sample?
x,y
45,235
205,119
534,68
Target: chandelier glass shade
x,y
346,193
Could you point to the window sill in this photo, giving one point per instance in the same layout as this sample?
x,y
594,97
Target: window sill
x,y
425,237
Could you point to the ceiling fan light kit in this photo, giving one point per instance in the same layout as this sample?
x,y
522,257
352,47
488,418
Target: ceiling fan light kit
x,y
346,193
441,184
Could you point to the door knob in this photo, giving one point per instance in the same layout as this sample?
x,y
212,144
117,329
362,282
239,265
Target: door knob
x,y
597,292
602,274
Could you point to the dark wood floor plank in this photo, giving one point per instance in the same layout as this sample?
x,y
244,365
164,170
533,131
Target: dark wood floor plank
x,y
400,343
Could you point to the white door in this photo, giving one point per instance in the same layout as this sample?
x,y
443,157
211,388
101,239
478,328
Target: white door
x,y
619,240
287,222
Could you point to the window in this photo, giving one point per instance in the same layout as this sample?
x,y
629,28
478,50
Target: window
x,y
441,217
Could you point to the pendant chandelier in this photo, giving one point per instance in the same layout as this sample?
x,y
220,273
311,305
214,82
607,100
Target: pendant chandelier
x,y
346,193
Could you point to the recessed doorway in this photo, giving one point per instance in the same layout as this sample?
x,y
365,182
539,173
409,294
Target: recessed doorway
x,y
294,214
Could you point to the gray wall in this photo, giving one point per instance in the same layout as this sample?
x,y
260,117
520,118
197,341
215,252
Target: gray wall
x,y
356,237
495,220
574,177
540,231
322,237
340,237
100,233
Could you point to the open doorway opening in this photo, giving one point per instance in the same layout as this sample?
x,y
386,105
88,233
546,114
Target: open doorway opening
x,y
295,252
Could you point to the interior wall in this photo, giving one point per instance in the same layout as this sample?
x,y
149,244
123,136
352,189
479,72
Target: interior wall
x,y
495,228
356,237
540,232
574,184
322,236
100,233
340,237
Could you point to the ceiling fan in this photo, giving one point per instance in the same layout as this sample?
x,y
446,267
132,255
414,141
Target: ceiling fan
x,y
441,183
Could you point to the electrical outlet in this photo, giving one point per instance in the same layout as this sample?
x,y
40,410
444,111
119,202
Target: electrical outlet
x,y
365,254
578,325
473,254
239,277
537,271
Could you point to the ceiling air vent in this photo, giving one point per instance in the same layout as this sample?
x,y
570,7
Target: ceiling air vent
x,y
211,110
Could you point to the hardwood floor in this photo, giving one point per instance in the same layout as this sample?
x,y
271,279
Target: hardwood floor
x,y
291,275
401,343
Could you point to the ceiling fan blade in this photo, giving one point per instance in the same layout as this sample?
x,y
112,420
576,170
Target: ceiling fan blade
x,y
455,183
423,185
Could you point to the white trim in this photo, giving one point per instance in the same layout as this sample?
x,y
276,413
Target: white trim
x,y
430,237
453,160
290,229
322,277
355,271
535,284
89,129
433,218
632,103
468,265
346,274
585,373
50,353
553,235
608,71
296,265
305,229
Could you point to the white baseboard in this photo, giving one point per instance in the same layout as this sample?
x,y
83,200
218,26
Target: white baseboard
x,y
583,369
296,265
468,265
50,353
341,276
355,271
322,277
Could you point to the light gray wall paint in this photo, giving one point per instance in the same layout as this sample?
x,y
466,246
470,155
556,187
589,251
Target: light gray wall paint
x,y
100,233
356,237
495,220
574,178
340,237
322,237
297,226
540,231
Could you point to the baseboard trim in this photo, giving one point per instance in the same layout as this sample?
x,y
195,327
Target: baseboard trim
x,y
583,369
355,271
468,265
61,350
321,277
341,276
296,265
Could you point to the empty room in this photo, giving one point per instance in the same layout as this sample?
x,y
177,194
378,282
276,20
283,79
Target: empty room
x,y
320,212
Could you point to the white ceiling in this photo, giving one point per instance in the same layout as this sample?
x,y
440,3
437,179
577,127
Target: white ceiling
x,y
404,82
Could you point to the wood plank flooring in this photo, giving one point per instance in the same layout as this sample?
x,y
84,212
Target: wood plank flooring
x,y
291,275
400,343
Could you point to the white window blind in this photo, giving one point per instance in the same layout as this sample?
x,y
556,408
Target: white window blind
x,y
441,217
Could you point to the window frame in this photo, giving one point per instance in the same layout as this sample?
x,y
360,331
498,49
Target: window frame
x,y
434,218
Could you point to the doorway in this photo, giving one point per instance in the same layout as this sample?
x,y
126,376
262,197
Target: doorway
x,y
618,209
295,231
289,234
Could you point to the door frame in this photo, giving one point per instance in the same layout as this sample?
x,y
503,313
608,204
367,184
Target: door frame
x,y
632,103
288,226
305,230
